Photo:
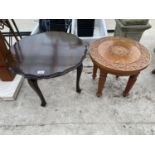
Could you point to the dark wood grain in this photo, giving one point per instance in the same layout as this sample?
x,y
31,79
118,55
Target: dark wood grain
x,y
47,55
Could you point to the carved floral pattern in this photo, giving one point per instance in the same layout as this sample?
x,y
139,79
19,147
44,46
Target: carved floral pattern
x,y
136,66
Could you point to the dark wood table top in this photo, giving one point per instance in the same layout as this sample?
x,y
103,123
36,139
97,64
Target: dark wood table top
x,y
47,55
119,55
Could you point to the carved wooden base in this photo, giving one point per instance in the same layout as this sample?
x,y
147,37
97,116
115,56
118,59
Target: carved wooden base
x,y
5,74
102,80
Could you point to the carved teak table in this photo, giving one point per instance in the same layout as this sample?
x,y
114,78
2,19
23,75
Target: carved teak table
x,y
48,55
119,56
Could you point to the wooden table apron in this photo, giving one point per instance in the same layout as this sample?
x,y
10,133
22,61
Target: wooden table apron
x,y
48,55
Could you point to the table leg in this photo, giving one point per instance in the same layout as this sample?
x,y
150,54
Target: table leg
x,y
131,82
117,76
101,83
94,71
34,85
79,71
153,71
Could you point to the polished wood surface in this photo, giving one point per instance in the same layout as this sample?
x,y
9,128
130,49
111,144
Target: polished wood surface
x,y
47,55
119,56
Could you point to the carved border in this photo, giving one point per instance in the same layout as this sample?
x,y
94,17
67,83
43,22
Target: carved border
x,y
136,66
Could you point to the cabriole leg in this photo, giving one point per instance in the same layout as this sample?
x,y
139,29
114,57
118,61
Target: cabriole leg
x,y
34,85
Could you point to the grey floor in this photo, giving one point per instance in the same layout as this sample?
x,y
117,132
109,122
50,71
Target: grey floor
x,y
70,113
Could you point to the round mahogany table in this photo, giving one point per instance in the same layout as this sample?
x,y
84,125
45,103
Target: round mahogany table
x,y
48,55
119,56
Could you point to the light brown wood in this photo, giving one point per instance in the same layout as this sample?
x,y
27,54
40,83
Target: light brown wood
x,y
131,81
94,71
102,80
119,51
119,56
